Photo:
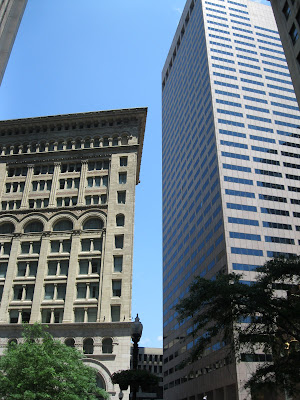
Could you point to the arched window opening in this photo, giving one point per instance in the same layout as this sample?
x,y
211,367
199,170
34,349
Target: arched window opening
x,y
78,144
107,346
70,342
51,146
60,146
115,141
124,140
88,346
96,142
35,226
42,147
24,148
100,382
63,225
105,141
16,149
93,223
33,148
120,220
87,144
69,145
7,227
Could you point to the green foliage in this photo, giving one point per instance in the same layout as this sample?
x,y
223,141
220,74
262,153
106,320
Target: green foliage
x,y
42,368
272,304
135,378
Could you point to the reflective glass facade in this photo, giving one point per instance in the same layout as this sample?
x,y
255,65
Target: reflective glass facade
x,y
231,164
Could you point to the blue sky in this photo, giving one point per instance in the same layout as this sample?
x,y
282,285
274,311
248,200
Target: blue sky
x,y
77,56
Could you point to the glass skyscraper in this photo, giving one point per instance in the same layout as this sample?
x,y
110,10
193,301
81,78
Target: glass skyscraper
x,y
231,172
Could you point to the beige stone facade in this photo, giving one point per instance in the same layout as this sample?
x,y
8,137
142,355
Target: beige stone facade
x,y
11,12
66,230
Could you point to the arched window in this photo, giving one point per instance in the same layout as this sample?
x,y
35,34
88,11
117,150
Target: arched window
x,y
42,147
107,346
51,146
100,382
87,144
24,148
7,227
115,141
124,140
60,146
16,149
78,144
93,223
69,145
96,142
35,226
33,148
63,225
88,346
120,220
70,342
105,141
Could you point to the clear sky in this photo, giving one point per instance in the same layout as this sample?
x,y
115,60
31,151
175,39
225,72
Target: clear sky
x,y
86,55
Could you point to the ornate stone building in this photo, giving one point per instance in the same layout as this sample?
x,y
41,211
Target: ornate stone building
x,y
67,187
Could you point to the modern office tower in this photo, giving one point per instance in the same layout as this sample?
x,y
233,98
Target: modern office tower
x,y
11,12
66,231
231,165
287,15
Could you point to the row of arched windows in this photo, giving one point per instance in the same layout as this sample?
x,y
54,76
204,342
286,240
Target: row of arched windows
x,y
70,144
88,345
59,226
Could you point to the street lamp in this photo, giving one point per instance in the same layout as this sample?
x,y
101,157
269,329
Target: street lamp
x,y
135,336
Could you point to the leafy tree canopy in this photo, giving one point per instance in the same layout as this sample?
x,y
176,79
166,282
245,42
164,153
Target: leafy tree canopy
x,y
42,368
227,304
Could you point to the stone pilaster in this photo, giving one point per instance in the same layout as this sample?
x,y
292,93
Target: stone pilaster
x,y
24,201
84,167
54,184
72,275
10,274
39,283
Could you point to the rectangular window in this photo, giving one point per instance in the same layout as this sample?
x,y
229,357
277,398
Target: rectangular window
x,y
85,245
18,291
122,197
49,292
115,313
14,316
52,268
119,241
3,269
96,265
83,267
64,266
61,292
29,292
116,288
122,177
79,315
81,291
123,161
92,314
94,291
118,263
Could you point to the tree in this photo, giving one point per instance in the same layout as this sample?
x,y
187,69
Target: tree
x,y
248,317
42,368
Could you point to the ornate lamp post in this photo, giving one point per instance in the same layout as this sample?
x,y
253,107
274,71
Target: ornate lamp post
x,y
135,336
